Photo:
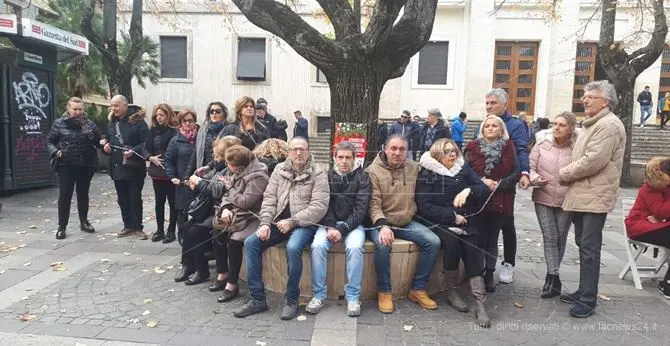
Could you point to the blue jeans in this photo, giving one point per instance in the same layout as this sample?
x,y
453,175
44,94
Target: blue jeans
x,y
645,113
298,239
420,235
353,244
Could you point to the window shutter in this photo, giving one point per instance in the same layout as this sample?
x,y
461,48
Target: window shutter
x,y
251,59
174,57
433,60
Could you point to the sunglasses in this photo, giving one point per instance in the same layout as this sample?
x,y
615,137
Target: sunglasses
x,y
215,111
188,121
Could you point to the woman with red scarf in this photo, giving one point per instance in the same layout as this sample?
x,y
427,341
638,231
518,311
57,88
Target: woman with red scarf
x,y
493,157
649,219
177,158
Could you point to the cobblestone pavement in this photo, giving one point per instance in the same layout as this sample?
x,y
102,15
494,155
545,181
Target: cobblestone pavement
x,y
111,290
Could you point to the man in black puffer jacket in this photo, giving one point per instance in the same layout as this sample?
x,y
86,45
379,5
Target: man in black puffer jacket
x,y
127,167
349,201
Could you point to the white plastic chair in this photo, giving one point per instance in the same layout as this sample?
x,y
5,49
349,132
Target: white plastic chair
x,y
631,266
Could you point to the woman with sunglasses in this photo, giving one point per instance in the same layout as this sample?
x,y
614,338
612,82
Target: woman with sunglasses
x,y
447,190
163,122
177,158
246,127
216,120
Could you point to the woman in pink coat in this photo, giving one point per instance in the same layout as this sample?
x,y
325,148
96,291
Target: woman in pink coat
x,y
546,159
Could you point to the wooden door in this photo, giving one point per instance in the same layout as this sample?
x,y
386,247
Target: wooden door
x,y
515,71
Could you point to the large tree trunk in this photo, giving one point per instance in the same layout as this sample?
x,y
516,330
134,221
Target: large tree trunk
x,y
626,94
354,98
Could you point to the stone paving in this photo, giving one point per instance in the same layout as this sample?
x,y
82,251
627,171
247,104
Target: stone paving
x,y
112,291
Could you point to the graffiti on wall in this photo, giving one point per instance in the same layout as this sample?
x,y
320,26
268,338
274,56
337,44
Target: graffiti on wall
x,y
33,98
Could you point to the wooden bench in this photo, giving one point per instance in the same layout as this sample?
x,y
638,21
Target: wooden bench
x,y
404,257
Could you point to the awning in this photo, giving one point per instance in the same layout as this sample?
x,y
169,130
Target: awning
x,y
8,23
67,44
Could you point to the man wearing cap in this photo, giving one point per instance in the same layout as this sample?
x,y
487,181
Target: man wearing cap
x,y
409,129
432,130
275,129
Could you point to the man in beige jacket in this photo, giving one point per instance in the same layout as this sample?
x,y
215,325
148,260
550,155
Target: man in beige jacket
x,y
295,200
593,177
392,208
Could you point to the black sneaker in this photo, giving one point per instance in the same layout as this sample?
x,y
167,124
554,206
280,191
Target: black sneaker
x,y
289,310
86,226
664,289
250,307
582,309
570,298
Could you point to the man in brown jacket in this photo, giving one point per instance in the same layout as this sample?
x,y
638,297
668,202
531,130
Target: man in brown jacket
x,y
593,178
392,208
295,200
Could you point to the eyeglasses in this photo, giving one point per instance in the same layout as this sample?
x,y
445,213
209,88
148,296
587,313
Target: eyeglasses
x,y
188,121
589,97
215,111
299,150
450,152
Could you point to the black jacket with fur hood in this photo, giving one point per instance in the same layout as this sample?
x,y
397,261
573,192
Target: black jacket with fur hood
x,y
133,131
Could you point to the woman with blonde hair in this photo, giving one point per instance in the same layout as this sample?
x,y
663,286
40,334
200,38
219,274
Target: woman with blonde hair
x,y
246,126
161,132
271,152
195,269
493,157
447,191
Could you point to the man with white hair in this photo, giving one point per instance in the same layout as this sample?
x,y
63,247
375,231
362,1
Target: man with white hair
x,y
593,177
126,134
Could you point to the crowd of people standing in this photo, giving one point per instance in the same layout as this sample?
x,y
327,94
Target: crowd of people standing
x,y
237,181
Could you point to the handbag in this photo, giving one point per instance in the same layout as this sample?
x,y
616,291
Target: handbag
x,y
133,161
200,208
53,164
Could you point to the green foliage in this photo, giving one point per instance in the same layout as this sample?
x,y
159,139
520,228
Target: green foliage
x,y
99,115
146,66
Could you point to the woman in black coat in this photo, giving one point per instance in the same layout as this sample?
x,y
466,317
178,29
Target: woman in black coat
x,y
447,191
246,126
215,121
162,130
73,141
177,158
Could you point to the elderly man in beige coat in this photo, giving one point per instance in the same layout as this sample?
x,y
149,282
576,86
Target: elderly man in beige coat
x,y
593,177
295,200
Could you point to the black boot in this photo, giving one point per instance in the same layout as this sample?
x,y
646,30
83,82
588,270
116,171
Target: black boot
x,y
86,226
60,234
169,237
201,272
158,235
489,282
187,268
552,288
664,286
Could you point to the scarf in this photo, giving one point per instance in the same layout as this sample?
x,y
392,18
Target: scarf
x,y
189,135
216,126
492,153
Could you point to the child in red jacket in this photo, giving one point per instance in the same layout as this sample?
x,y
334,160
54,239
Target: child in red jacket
x,y
649,219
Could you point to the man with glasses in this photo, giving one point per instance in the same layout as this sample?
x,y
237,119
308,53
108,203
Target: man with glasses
x,y
349,201
295,200
593,178
392,209
408,129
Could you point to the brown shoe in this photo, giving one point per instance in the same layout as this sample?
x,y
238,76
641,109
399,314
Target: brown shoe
x,y
385,302
125,232
141,235
421,297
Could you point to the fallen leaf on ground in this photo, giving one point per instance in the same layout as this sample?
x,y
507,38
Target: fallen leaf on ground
x,y
24,298
171,290
22,245
152,324
53,264
44,307
146,312
169,267
302,318
518,305
604,297
104,260
22,232
2,272
26,317
27,264
32,226
133,320
407,328
147,301
127,253
29,289
59,268
261,343
158,270
100,279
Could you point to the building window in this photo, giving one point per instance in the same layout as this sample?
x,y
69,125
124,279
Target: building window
x,y
251,59
320,77
587,69
515,71
434,63
664,81
174,57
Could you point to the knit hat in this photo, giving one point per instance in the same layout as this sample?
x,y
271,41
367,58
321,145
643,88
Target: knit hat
x,y
657,172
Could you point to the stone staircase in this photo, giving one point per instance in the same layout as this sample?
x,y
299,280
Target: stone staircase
x,y
646,143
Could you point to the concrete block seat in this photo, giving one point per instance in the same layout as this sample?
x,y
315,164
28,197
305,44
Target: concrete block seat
x,y
404,257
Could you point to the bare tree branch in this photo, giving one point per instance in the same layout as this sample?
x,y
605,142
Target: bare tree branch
x,y
135,32
384,15
280,20
92,36
645,56
341,16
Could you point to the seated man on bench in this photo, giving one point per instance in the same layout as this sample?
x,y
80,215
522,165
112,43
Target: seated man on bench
x,y
392,207
349,202
295,200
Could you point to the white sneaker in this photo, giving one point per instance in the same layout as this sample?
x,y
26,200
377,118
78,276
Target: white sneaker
x,y
506,273
641,126
354,308
314,306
